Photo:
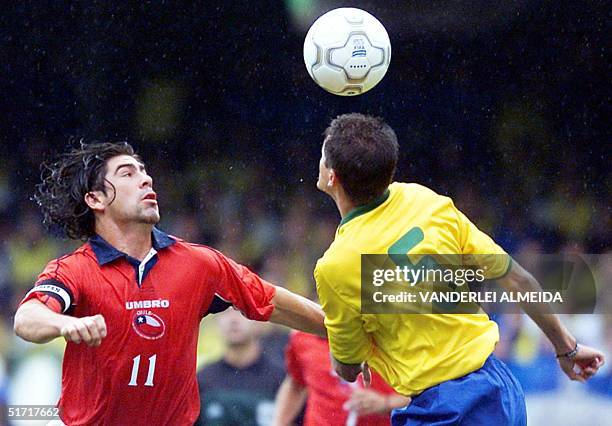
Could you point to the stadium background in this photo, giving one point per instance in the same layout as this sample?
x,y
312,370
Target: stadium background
x,y
501,105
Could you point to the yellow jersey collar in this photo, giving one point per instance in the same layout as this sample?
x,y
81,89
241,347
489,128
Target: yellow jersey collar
x,y
358,211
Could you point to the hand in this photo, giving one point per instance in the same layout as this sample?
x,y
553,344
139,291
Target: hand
x,y
90,330
365,401
587,359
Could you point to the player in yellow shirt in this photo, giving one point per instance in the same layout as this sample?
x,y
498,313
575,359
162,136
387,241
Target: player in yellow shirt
x,y
443,361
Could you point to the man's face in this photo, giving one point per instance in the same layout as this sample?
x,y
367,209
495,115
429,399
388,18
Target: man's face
x,y
236,329
129,192
324,171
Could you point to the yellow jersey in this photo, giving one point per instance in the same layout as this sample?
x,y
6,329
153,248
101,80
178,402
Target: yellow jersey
x,y
412,352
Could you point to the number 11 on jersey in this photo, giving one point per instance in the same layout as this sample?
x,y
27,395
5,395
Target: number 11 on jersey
x,y
150,374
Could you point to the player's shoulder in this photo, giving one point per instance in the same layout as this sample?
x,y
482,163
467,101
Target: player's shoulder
x,y
195,251
71,267
416,192
413,188
81,257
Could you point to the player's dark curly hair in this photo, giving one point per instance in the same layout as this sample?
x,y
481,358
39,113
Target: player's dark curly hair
x,y
363,151
66,180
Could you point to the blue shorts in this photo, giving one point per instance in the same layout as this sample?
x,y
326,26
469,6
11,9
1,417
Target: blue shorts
x,y
488,396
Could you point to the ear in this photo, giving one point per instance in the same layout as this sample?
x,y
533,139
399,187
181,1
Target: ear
x,y
95,200
332,179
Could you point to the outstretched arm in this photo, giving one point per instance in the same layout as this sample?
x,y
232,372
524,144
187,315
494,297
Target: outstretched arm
x,y
297,312
568,351
37,323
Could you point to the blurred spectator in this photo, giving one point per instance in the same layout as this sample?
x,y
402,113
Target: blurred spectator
x,y
240,388
29,251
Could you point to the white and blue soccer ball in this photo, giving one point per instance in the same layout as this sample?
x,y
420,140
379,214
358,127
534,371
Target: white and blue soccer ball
x,y
347,51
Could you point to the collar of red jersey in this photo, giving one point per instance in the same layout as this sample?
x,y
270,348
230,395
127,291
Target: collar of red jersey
x,y
106,253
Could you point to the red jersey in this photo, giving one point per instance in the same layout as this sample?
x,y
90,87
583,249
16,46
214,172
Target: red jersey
x,y
308,363
144,372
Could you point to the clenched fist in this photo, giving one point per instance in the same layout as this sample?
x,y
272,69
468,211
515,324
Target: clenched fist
x,y
583,365
89,330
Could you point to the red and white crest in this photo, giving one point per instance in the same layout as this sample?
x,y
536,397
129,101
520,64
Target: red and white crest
x,y
148,325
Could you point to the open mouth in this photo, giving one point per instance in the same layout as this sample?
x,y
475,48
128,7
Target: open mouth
x,y
151,196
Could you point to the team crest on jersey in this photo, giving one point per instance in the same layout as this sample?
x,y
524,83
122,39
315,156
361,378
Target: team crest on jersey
x,y
148,325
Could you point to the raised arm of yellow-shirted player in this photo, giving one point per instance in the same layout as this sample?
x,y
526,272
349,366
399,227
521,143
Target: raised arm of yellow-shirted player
x,y
512,277
348,342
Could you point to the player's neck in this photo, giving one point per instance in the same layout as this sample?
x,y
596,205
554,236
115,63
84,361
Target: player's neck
x,y
132,239
242,356
344,204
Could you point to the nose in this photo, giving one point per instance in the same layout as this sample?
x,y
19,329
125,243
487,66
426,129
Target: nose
x,y
146,181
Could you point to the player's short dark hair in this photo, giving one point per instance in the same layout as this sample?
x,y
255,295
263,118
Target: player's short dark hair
x,y
66,180
363,151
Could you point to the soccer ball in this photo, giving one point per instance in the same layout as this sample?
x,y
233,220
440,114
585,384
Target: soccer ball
x,y
347,51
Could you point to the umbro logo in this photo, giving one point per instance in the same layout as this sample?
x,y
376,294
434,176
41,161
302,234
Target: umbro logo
x,y
147,304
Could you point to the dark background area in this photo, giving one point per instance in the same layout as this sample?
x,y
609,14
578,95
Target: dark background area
x,y
507,103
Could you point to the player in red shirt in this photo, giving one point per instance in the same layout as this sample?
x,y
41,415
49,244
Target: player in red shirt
x,y
130,300
331,400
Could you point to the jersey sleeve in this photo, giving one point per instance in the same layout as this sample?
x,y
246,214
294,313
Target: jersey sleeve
x,y
243,289
292,360
55,287
348,341
487,254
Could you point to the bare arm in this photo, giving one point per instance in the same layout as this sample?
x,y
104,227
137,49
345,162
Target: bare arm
x,y
519,280
297,312
36,323
290,399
